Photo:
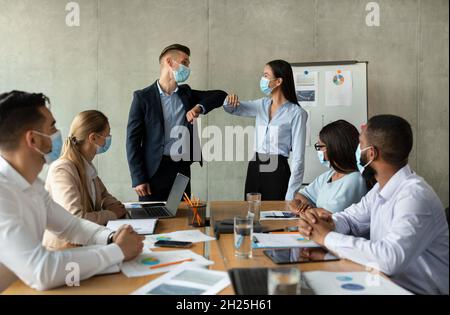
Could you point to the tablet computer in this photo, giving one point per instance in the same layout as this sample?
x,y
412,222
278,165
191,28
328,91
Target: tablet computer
x,y
299,255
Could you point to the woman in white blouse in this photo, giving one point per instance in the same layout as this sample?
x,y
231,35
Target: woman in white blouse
x,y
280,129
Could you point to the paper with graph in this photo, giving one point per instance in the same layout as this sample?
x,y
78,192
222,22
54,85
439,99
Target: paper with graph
x,y
306,87
149,262
338,88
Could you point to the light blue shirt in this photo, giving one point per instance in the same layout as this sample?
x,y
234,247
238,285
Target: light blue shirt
x,y
286,132
337,195
174,120
408,233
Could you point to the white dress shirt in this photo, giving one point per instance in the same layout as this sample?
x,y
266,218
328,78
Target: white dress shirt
x,y
408,233
25,212
285,132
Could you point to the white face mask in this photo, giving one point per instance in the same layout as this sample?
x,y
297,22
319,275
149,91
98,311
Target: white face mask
x,y
321,156
54,153
358,152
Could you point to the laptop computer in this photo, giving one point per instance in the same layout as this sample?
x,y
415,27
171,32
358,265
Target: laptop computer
x,y
164,209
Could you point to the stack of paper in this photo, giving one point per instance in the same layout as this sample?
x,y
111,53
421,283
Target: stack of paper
x,y
149,263
280,240
351,283
187,279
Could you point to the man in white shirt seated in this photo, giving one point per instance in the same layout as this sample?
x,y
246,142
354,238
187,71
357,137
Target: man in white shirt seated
x,y
28,139
408,229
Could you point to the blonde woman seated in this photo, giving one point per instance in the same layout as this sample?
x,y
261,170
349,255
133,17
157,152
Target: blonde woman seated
x,y
72,180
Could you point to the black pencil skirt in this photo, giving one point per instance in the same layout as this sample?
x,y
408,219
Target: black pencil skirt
x,y
269,176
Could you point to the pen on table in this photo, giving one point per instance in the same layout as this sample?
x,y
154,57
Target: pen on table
x,y
276,230
171,263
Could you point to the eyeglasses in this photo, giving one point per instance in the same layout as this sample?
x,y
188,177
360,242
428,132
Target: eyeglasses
x,y
318,146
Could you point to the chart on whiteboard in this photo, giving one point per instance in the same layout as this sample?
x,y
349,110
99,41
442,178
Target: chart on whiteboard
x,y
338,88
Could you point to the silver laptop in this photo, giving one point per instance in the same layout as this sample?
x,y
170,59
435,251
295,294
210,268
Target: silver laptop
x,y
164,209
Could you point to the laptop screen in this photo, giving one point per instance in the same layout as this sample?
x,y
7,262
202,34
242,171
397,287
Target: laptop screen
x,y
179,185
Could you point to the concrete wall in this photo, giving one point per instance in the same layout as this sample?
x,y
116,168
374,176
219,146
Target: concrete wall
x,y
114,52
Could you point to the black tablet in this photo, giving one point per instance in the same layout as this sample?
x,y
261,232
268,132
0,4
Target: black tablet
x,y
299,255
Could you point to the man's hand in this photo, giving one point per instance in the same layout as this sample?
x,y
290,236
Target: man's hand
x,y
143,190
315,224
193,113
129,242
323,214
233,100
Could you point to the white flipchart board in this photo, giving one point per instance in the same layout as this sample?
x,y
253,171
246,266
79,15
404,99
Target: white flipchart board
x,y
327,106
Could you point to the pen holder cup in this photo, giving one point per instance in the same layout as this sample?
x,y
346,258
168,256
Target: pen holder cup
x,y
197,215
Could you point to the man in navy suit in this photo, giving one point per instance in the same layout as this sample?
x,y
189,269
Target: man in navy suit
x,y
161,141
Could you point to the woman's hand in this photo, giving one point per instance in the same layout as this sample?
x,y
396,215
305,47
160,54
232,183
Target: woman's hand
x,y
233,100
297,206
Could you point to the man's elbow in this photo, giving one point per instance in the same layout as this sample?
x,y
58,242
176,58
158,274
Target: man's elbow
x,y
391,263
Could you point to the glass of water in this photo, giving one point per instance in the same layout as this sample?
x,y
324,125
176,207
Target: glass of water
x,y
284,281
254,205
243,236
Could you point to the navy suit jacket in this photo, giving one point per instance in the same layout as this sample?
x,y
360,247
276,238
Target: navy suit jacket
x,y
145,129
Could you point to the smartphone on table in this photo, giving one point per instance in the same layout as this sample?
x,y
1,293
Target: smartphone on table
x,y
175,244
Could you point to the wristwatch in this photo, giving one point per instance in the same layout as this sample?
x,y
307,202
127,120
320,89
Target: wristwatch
x,y
110,238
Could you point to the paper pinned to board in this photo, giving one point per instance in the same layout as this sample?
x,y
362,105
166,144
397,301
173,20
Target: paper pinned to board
x,y
187,279
338,88
306,87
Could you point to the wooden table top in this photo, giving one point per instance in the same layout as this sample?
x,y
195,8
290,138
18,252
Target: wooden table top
x,y
220,251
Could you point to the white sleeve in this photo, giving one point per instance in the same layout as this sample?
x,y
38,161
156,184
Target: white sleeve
x,y
410,234
71,228
355,220
21,249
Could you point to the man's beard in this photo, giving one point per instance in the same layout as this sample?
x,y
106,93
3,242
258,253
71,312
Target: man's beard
x,y
368,173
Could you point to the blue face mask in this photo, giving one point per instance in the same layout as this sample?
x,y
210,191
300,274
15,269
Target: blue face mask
x,y
106,146
321,157
55,151
264,86
358,152
182,73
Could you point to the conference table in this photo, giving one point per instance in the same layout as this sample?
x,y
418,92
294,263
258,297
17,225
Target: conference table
x,y
221,251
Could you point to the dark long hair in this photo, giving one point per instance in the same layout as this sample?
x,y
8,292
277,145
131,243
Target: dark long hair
x,y
342,139
282,69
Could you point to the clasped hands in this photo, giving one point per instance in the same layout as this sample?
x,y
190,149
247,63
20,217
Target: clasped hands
x,y
314,223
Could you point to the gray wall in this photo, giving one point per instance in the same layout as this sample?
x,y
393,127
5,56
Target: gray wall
x,y
114,52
